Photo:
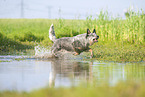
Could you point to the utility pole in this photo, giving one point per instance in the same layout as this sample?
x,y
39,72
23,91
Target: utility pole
x,y
22,9
59,12
49,11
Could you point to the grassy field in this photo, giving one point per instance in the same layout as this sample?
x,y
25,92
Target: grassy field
x,y
120,40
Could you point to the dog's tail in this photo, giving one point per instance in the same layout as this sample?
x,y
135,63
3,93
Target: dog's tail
x,y
52,33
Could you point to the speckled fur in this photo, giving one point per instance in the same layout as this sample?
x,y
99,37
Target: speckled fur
x,y
76,44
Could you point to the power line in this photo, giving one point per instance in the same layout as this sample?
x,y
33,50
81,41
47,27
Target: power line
x,y
49,11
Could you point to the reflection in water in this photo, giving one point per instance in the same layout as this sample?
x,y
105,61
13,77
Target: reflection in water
x,y
29,74
114,72
75,70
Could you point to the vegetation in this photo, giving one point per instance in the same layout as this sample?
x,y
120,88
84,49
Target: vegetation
x,y
120,39
122,89
8,45
118,52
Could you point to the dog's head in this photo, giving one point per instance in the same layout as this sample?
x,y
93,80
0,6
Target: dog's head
x,y
92,37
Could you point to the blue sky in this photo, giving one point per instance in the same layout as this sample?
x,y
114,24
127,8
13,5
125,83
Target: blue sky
x,y
67,9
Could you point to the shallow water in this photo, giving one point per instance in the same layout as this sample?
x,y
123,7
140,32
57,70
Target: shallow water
x,y
22,73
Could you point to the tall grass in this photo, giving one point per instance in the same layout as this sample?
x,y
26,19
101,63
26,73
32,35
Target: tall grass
x,y
130,30
109,29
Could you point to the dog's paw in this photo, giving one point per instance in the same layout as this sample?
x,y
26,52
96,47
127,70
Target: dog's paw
x,y
75,54
91,56
54,56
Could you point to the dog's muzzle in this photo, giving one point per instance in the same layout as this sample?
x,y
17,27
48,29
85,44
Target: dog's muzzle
x,y
96,39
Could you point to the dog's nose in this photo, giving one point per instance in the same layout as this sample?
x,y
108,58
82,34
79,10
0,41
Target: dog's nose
x,y
97,36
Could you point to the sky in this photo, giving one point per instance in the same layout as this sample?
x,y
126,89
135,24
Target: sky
x,y
66,9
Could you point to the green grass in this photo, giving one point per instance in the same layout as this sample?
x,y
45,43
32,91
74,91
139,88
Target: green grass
x,y
8,45
118,52
122,89
120,39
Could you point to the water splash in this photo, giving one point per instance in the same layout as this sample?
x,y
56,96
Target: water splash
x,y
42,52
45,53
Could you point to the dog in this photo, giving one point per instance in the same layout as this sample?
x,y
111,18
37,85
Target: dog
x,y
76,44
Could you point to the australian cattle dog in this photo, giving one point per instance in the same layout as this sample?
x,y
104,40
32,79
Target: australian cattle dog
x,y
76,44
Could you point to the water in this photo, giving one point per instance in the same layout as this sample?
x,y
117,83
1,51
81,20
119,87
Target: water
x,y
29,74
24,73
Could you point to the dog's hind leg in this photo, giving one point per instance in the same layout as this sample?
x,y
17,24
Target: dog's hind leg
x,y
54,50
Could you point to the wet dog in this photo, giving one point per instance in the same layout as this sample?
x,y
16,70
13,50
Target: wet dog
x,y
76,44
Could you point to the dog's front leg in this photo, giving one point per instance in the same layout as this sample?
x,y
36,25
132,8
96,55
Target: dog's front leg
x,y
90,50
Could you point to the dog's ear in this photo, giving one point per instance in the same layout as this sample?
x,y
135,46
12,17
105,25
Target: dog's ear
x,y
94,31
88,32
